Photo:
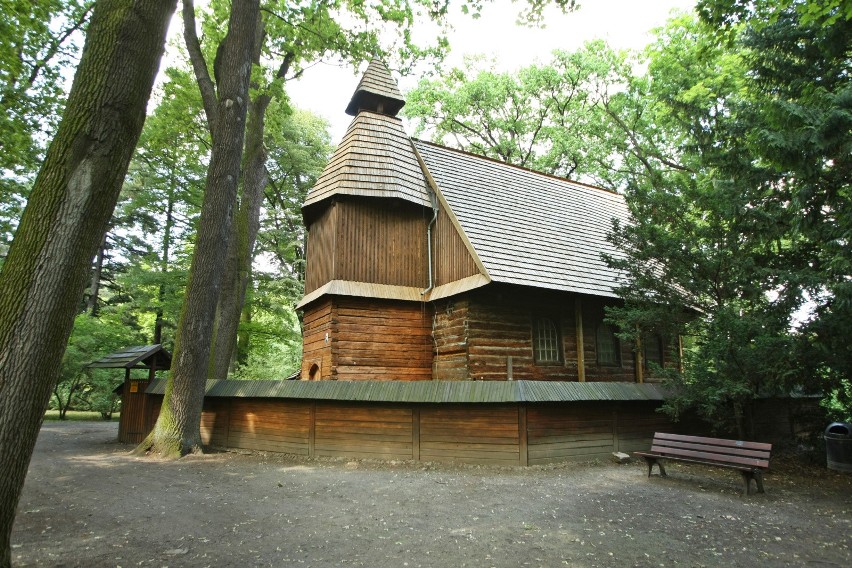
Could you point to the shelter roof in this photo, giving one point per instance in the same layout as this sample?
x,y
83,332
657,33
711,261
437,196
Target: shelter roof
x,y
377,92
526,227
140,357
374,159
431,391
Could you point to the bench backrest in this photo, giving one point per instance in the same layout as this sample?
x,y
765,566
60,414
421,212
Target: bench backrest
x,y
734,452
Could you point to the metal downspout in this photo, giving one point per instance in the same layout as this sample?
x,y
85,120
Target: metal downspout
x,y
429,242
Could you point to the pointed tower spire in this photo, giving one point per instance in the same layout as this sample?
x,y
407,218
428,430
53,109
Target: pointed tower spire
x,y
375,157
377,92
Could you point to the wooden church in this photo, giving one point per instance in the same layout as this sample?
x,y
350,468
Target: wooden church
x,y
453,311
429,263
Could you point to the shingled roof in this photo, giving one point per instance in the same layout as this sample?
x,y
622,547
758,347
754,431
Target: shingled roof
x,y
374,159
377,91
529,228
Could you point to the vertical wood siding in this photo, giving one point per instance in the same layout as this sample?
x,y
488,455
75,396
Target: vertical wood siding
x,y
381,340
452,259
472,434
381,243
364,430
132,423
368,240
319,265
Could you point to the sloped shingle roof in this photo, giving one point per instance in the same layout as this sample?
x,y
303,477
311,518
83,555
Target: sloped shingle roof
x,y
140,357
374,159
529,228
377,86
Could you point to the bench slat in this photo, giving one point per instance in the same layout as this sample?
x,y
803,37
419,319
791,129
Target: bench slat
x,y
724,450
713,441
710,456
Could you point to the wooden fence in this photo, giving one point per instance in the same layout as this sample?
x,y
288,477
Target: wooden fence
x,y
498,434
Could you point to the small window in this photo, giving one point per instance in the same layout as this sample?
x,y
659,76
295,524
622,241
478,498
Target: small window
x,y
547,346
653,346
608,346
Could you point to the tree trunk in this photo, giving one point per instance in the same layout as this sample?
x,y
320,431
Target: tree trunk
x,y
241,244
164,265
68,210
95,286
177,431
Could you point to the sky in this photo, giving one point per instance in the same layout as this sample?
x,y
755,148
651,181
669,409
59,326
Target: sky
x,y
325,89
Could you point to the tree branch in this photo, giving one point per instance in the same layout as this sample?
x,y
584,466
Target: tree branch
x,y
199,65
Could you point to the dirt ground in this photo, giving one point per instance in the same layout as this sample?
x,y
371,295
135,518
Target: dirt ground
x,y
88,503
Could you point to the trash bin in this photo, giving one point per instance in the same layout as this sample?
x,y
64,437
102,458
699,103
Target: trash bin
x,y
838,446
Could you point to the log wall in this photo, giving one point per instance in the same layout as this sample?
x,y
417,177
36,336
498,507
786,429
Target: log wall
x,y
381,340
450,331
317,361
367,340
476,334
593,315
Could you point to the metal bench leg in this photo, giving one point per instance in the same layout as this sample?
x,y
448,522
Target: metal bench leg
x,y
757,476
758,479
658,462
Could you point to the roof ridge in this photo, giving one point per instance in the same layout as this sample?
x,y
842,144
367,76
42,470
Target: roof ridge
x,y
522,168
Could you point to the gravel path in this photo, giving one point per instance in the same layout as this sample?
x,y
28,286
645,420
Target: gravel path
x,y
88,503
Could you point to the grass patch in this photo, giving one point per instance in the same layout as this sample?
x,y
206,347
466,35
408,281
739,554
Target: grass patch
x,y
80,416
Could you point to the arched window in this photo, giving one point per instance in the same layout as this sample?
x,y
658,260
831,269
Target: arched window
x,y
314,373
547,346
608,346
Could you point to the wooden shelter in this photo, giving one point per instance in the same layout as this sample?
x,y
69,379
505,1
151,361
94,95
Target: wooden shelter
x,y
132,426
429,263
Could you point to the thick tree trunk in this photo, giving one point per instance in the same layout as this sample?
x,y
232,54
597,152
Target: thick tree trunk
x,y
241,244
65,218
177,431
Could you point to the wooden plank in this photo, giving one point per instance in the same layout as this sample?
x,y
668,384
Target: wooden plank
x,y
415,433
714,441
705,456
715,449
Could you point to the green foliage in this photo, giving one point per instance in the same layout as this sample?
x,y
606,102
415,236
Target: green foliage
x,y
39,45
80,388
758,220
545,117
154,223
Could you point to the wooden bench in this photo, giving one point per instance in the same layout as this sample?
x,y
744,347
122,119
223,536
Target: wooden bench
x,y
750,458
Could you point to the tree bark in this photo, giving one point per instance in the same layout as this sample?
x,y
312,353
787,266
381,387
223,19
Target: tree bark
x,y
93,305
68,210
164,263
177,431
241,244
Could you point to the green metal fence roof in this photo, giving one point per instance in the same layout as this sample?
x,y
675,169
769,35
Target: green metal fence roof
x,y
430,391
